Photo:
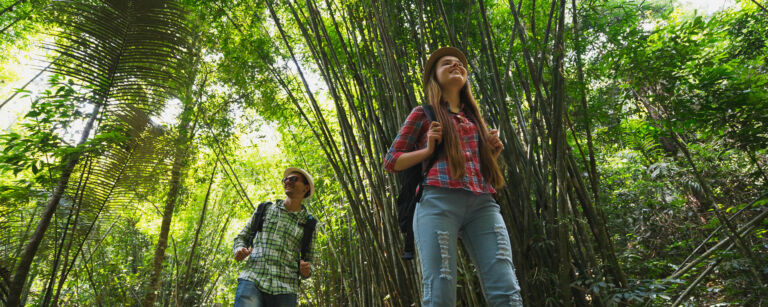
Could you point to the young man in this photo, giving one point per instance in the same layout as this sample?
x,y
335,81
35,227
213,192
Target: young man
x,y
271,273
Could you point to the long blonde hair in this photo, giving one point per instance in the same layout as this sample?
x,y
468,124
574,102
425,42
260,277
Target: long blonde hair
x,y
489,167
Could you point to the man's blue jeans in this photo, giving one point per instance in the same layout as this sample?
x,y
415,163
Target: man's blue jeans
x,y
442,216
248,295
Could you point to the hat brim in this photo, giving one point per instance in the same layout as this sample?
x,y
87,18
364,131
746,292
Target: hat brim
x,y
304,173
439,53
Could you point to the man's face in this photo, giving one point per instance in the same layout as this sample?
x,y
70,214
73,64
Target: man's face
x,y
295,185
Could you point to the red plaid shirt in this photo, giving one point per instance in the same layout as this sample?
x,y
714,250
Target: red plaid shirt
x,y
413,136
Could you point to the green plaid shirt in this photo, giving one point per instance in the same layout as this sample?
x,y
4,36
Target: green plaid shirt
x,y
273,265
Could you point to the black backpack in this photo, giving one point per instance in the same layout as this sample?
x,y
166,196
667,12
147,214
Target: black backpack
x,y
257,221
411,180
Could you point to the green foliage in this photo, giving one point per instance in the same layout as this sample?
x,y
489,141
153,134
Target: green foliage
x,y
656,81
39,144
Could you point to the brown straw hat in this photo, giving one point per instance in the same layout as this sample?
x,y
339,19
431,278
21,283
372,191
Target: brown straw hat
x,y
439,54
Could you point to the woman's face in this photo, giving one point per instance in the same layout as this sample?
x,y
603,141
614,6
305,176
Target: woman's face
x,y
450,73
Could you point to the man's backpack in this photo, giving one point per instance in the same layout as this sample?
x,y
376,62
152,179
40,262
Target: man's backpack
x,y
411,180
257,223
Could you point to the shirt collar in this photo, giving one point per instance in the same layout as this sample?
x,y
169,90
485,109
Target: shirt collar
x,y
281,204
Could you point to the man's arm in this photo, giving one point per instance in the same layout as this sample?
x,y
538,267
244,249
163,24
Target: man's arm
x,y
239,249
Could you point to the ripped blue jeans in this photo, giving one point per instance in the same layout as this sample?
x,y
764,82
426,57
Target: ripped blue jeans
x,y
442,216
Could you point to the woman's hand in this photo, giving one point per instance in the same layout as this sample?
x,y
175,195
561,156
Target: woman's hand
x,y
495,142
434,136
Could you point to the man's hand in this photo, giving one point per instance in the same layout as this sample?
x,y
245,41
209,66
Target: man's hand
x,y
495,142
304,268
242,253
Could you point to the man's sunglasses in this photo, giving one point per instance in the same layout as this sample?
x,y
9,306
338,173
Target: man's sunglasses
x,y
293,179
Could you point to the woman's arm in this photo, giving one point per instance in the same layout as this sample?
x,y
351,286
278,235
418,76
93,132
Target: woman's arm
x,y
403,153
408,159
407,138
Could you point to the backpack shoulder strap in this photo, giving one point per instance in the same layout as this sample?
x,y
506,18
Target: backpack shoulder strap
x,y
429,111
306,238
257,221
260,212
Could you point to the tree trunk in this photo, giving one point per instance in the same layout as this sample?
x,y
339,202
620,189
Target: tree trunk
x,y
190,257
179,165
22,269
558,145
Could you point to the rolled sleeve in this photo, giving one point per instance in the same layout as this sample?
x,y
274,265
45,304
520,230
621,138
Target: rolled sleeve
x,y
408,138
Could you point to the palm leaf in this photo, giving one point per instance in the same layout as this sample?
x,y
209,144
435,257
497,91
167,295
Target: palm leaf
x,y
108,184
128,52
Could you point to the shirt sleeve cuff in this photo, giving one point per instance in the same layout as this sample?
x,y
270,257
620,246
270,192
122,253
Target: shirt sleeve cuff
x,y
389,163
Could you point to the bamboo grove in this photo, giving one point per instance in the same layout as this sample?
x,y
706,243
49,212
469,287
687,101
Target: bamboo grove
x,y
635,146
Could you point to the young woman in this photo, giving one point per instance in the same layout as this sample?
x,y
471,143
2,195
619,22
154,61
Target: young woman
x,y
457,200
